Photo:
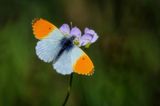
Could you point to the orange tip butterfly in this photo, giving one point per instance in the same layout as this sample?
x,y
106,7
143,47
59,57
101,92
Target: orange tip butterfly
x,y
59,48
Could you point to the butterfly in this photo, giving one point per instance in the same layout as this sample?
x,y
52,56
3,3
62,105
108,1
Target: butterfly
x,y
59,49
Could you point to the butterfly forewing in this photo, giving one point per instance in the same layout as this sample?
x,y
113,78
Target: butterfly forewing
x,y
50,37
81,63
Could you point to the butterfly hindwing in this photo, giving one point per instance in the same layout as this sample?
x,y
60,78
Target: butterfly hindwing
x,y
63,65
47,49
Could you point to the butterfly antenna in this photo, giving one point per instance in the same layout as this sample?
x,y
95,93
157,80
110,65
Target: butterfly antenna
x,y
68,91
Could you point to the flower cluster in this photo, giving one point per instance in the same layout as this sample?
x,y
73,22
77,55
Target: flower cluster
x,y
89,36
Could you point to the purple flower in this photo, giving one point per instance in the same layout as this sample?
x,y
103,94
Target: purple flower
x,y
90,36
65,29
75,31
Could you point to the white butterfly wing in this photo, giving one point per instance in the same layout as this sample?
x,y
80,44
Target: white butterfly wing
x,y
63,63
48,48
74,60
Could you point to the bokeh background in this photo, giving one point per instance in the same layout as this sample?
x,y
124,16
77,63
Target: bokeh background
x,y
126,55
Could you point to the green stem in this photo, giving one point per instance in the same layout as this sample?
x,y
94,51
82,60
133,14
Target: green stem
x,y
68,91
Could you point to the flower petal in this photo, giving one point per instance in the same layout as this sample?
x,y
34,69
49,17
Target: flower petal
x,y
86,30
95,37
83,42
86,38
65,29
89,31
92,33
76,32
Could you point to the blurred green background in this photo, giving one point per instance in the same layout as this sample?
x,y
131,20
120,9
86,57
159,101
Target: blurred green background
x,y
126,55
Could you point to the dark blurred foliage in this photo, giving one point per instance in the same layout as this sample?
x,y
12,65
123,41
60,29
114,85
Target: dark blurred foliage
x,y
126,56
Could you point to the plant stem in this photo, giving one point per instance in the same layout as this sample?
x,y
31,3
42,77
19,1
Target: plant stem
x,y
68,91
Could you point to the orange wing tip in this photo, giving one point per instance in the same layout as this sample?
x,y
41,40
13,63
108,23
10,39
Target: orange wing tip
x,y
91,73
34,21
87,74
42,28
84,66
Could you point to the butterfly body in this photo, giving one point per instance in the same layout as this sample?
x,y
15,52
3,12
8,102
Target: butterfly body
x,y
54,46
66,45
